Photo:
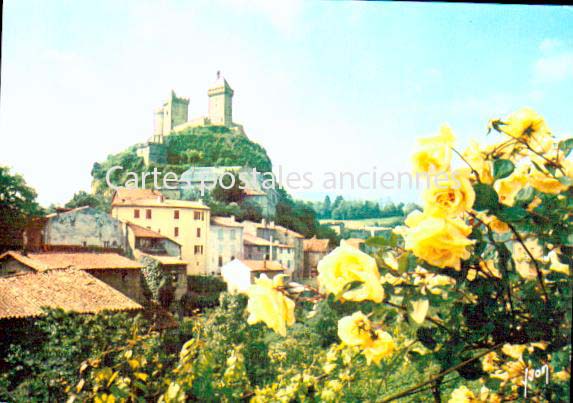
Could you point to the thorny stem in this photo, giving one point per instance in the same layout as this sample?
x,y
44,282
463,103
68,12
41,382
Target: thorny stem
x,y
468,164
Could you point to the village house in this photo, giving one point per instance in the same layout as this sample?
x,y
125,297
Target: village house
x,y
239,274
185,222
197,181
23,296
115,270
225,243
144,242
75,229
289,250
314,250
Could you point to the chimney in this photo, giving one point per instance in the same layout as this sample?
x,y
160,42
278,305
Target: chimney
x,y
233,218
272,224
264,222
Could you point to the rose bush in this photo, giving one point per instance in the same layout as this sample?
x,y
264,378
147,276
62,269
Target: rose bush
x,y
455,305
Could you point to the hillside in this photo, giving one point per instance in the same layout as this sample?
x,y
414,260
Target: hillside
x,y
202,146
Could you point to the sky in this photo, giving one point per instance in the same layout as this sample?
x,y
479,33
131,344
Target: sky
x,y
323,86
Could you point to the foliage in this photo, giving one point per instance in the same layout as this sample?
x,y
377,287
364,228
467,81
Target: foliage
x,y
156,285
351,210
203,292
200,146
45,367
83,198
229,190
17,206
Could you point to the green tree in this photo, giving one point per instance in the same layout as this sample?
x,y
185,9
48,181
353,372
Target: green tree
x,y
83,198
17,206
229,190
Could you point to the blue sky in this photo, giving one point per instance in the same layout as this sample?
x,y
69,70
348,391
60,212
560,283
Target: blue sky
x,y
323,86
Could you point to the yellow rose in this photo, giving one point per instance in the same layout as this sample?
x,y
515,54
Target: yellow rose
x,y
476,158
490,361
545,183
441,242
355,330
345,265
486,395
525,124
267,304
451,197
514,351
435,152
507,188
381,346
462,395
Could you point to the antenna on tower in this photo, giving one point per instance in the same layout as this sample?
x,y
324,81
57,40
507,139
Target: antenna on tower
x,y
218,74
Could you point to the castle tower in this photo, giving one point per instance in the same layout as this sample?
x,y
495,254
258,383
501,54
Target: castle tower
x,y
221,102
173,112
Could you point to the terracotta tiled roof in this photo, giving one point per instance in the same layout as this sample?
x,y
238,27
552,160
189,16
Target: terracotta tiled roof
x,y
25,260
65,210
142,232
123,195
272,225
24,295
316,245
225,222
263,265
250,239
80,260
150,198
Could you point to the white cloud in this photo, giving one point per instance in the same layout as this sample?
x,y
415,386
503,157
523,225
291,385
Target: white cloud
x,y
549,44
554,68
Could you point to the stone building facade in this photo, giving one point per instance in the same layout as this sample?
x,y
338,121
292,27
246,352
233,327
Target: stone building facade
x,y
225,243
185,222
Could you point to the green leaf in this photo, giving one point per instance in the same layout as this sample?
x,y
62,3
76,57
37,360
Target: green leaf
x,y
502,168
512,214
567,181
566,146
525,196
486,197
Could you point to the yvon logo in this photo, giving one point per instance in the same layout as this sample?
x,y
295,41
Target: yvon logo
x,y
532,374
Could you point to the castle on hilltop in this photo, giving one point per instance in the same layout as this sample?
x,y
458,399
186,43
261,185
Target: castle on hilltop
x,y
173,117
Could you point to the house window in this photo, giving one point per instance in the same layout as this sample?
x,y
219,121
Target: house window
x,y
136,213
233,234
198,249
176,214
220,261
176,231
198,232
148,214
220,234
106,244
198,215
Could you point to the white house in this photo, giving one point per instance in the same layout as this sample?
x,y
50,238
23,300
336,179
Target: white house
x,y
240,274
